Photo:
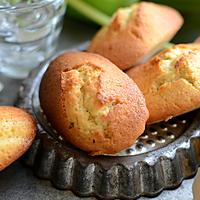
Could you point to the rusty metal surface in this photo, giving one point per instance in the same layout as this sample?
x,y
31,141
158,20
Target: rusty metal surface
x,y
168,152
19,182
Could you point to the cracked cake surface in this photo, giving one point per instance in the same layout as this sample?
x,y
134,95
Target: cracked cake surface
x,y
92,103
136,33
170,81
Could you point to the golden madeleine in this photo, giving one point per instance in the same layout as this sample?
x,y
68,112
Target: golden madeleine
x,y
170,82
136,33
92,103
17,132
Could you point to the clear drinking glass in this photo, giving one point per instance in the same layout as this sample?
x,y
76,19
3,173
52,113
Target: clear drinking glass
x,y
29,30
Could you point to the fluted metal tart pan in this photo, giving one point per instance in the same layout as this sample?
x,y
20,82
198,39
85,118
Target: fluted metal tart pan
x,y
161,158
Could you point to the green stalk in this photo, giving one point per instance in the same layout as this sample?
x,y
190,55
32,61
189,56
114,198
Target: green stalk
x,y
167,45
89,12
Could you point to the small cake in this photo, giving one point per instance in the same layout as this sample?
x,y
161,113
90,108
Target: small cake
x,y
92,103
136,33
170,82
17,132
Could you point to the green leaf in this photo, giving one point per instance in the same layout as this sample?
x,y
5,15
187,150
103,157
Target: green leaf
x,y
98,11
89,11
110,6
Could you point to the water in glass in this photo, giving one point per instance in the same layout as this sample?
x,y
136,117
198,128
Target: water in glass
x,y
28,34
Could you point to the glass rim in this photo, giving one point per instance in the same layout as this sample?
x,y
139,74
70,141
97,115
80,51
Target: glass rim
x,y
28,6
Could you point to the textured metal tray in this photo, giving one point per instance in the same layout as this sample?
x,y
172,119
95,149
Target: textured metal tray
x,y
161,158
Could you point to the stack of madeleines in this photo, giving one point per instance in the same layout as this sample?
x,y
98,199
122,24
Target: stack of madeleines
x,y
101,109
95,105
